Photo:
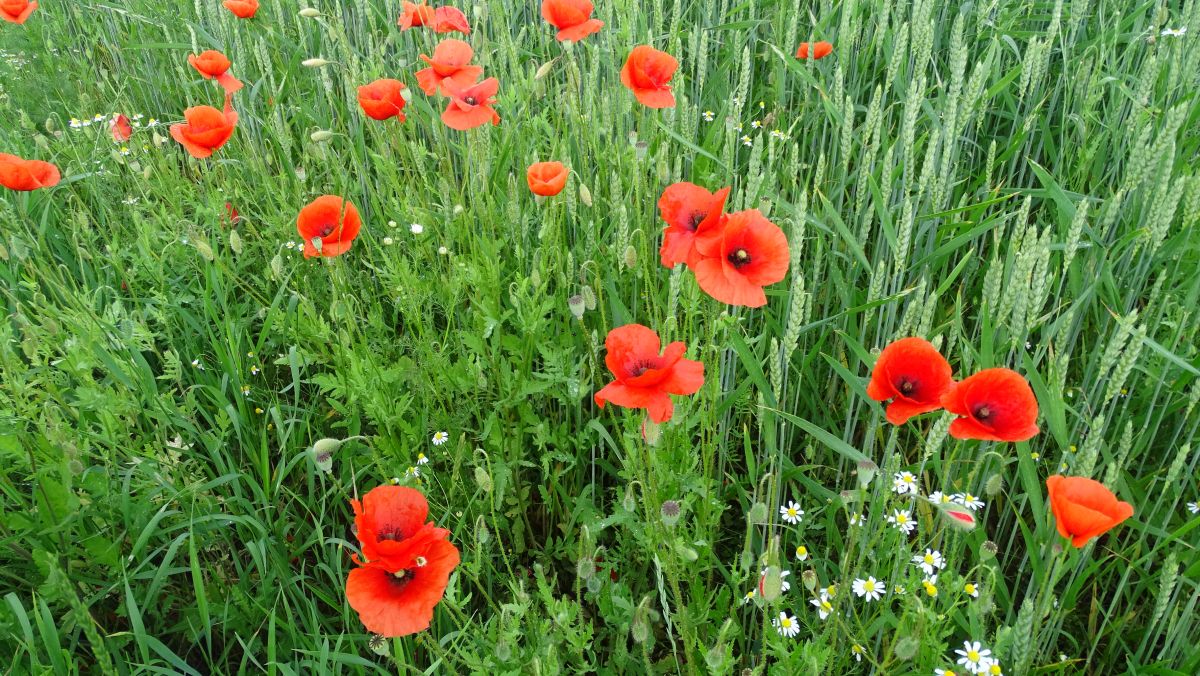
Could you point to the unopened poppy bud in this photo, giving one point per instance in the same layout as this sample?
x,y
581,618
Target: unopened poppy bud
x,y
866,472
670,513
906,648
651,432
321,136
639,630
628,502
960,519
685,552
543,70
994,485
758,513
204,249
640,149
310,12
482,534
770,585
589,297
630,257
809,578
277,266
235,242
483,479
585,568
576,305
314,63
585,195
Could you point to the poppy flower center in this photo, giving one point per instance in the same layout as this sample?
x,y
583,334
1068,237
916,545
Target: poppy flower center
x,y
641,366
983,413
401,578
740,258
326,229
697,218
392,534
471,100
906,386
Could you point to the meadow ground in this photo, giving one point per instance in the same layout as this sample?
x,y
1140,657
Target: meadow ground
x,y
1014,180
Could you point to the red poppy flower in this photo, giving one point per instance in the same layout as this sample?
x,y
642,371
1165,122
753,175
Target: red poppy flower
x,y
25,175
572,18
413,15
647,73
408,562
734,263
995,405
16,11
331,219
547,178
205,129
121,129
819,50
470,107
914,375
1083,508
687,209
451,60
645,378
382,99
242,9
450,20
213,65
231,214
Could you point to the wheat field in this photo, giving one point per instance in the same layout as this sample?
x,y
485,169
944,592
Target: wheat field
x,y
190,403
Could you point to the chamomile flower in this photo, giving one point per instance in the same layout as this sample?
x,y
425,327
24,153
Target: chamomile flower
x,y
786,625
1035,456
747,141
791,512
869,589
857,519
412,472
749,596
930,585
757,124
902,520
969,501
904,483
151,122
196,363
973,657
98,117
245,390
971,589
124,150
993,667
709,116
1193,507
801,553
76,123
831,590
824,607
775,133
940,498
930,562
1174,32
440,438
858,652
254,370
944,672
421,459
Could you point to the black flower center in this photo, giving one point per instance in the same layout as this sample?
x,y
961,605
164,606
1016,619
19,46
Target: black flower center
x,y
326,229
401,578
390,533
694,222
982,412
740,258
471,100
906,386
641,366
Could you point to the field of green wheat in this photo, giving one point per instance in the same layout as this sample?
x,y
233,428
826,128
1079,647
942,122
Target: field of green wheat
x,y
614,337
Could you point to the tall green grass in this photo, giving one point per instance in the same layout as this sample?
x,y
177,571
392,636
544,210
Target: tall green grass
x,y
1015,181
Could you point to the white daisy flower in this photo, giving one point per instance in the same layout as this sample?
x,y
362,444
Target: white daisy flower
x,y
1193,507
757,124
124,150
930,585
440,438
76,123
1174,32
421,459
791,512
904,483
857,519
412,472
857,651
747,141
972,656
98,117
802,553
869,589
971,589
899,589
196,363
709,116
749,596
786,625
254,370
824,607
930,562
944,672
940,498
993,667
902,519
969,501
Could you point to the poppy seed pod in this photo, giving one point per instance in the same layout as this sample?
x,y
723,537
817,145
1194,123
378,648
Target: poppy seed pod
x,y
866,472
321,136
670,513
576,305
314,63
310,12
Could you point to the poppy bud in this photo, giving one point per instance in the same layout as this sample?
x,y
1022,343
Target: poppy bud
x,y
321,136
482,534
576,305
685,552
235,242
758,513
589,297
585,568
771,583
323,450
277,266
314,63
585,195
629,503
543,70
906,648
639,630
994,485
483,479
959,518
310,12
204,249
630,257
651,431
